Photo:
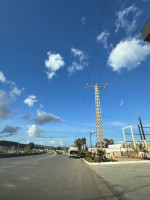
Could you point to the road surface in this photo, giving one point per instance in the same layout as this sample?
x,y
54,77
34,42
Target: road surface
x,y
50,177
133,180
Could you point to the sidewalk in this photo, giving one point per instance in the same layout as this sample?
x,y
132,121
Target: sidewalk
x,y
130,177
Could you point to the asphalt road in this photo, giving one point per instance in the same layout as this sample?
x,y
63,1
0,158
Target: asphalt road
x,y
133,180
47,176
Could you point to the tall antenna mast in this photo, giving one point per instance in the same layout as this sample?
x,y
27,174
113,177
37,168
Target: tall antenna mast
x,y
99,124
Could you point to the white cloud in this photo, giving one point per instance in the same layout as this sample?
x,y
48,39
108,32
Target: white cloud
x,y
103,38
4,110
80,63
83,21
121,103
40,143
116,124
34,131
43,118
51,74
2,77
61,143
30,100
52,142
56,143
80,54
41,106
15,92
76,67
54,63
127,18
128,54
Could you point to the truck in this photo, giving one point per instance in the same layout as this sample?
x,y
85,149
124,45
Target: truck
x,y
73,152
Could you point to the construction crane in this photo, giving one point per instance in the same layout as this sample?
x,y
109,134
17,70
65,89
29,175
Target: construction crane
x,y
99,124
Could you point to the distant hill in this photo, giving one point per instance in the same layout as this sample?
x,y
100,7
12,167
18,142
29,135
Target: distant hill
x,y
10,144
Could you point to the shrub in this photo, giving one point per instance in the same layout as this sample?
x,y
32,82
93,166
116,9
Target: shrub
x,y
58,152
82,154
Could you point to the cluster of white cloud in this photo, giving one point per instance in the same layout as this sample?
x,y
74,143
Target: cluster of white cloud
x,y
129,53
82,61
34,131
127,18
15,91
30,100
103,38
53,64
78,53
43,118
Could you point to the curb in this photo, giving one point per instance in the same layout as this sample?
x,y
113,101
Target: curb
x,y
116,163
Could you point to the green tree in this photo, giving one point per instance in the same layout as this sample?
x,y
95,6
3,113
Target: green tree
x,y
80,142
100,154
29,146
107,142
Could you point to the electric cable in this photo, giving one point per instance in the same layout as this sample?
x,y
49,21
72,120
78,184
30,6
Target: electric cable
x,y
93,56
129,43
114,39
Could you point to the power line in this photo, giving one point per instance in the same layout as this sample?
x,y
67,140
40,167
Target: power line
x,y
115,36
130,43
94,52
95,46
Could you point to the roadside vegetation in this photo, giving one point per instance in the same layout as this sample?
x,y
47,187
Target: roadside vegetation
x,y
98,156
140,152
59,152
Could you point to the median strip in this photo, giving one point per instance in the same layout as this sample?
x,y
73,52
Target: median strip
x,y
116,163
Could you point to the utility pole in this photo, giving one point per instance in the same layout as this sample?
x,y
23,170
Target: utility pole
x,y
99,125
91,142
142,128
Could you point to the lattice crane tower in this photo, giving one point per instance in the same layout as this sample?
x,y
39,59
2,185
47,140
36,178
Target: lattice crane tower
x,y
99,124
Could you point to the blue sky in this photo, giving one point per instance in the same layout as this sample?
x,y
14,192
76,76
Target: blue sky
x,y
50,49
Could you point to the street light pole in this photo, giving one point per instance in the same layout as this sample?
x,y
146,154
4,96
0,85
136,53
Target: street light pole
x,y
91,142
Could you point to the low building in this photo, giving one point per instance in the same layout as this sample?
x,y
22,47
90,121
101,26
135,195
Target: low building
x,y
114,150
